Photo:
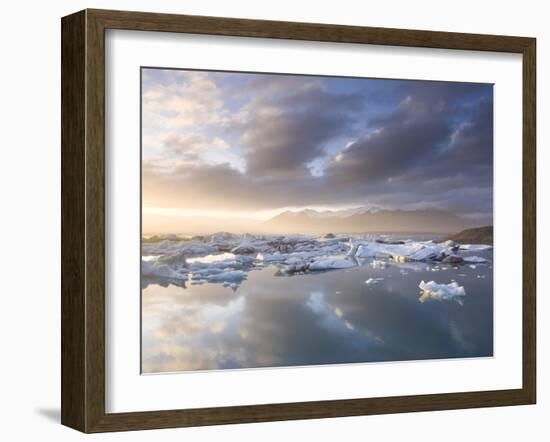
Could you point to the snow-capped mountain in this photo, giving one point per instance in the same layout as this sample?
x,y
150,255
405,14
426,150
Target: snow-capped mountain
x,y
331,213
368,219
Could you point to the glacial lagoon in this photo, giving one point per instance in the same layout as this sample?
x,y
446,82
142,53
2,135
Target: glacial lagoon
x,y
207,308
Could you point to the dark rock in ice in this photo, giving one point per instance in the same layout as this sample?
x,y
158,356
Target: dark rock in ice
x,y
389,241
453,259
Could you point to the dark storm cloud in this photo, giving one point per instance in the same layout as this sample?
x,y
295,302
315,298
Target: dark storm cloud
x,y
473,140
420,151
403,140
290,128
451,94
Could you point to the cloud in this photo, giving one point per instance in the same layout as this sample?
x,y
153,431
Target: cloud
x,y
188,99
417,150
402,140
191,144
184,145
249,143
285,129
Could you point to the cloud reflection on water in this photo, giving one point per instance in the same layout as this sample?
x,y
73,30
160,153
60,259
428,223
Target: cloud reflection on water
x,y
330,318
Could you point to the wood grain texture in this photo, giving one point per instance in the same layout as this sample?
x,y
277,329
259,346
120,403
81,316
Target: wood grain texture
x,y
145,21
529,220
83,220
73,252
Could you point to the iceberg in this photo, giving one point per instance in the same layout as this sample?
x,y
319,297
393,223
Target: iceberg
x,y
377,264
174,257
433,290
425,253
267,257
475,247
474,259
206,258
364,251
154,268
244,248
329,264
353,249
230,276
399,251
294,265
188,249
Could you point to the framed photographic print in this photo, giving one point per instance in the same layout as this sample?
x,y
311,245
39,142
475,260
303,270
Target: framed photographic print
x,y
270,220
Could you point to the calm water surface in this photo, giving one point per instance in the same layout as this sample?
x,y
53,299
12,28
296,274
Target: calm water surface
x,y
324,318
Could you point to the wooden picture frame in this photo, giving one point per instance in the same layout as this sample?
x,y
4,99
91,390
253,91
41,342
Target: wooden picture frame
x,y
83,220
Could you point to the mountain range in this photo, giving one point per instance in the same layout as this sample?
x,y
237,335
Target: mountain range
x,y
369,221
309,221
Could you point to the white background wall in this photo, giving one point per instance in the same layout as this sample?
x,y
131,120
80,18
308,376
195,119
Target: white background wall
x,y
30,216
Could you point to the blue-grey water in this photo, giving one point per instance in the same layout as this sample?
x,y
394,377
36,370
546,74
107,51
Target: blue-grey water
x,y
332,317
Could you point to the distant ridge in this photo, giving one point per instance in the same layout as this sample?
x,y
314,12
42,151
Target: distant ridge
x,y
365,220
310,221
479,235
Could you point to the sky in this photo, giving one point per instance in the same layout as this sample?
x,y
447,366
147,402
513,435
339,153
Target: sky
x,y
252,145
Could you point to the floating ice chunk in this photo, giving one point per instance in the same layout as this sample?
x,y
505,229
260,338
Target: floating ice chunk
x,y
450,244
331,263
187,249
267,257
154,268
377,264
236,263
244,248
295,264
475,247
371,281
203,274
408,251
218,257
424,254
173,258
472,266
229,276
353,248
397,251
474,259
364,251
434,290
